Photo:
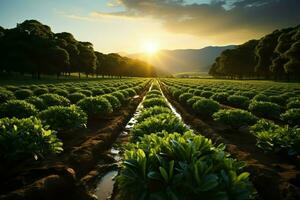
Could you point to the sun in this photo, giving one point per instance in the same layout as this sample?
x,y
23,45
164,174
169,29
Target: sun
x,y
150,47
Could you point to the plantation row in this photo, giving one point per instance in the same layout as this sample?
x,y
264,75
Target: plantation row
x,y
31,115
272,111
166,160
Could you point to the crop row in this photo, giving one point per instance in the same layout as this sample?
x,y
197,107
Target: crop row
x,y
32,115
251,107
166,160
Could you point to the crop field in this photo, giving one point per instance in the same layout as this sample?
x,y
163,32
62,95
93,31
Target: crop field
x,y
144,138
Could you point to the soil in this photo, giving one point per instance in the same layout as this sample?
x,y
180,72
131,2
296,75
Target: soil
x,y
274,176
70,174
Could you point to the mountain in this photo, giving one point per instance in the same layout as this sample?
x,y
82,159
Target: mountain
x,y
184,60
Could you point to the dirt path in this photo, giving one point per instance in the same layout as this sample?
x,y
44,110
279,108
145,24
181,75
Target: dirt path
x,y
273,176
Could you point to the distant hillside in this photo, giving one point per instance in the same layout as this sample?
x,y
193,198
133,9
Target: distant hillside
x,y
184,60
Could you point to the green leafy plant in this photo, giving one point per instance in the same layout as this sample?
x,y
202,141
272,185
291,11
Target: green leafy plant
x,y
188,166
18,109
54,100
235,117
152,111
75,97
184,97
6,95
261,97
238,101
206,107
155,102
265,109
61,92
158,123
114,101
190,102
23,93
220,97
40,91
26,138
95,106
274,138
37,102
119,95
291,116
293,104
64,118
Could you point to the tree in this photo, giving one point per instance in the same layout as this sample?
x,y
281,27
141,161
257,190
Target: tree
x,y
87,59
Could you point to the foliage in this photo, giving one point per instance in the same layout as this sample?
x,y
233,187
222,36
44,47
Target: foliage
x,y
23,93
26,138
37,102
238,101
271,137
234,117
206,107
114,101
18,109
155,102
152,111
293,104
184,166
75,97
95,105
54,100
292,116
220,97
158,123
184,97
265,109
63,118
6,95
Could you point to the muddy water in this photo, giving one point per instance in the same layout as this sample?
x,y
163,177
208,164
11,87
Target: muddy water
x,y
105,186
104,189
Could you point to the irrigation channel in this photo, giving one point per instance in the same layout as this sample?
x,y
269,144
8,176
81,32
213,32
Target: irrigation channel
x,y
105,187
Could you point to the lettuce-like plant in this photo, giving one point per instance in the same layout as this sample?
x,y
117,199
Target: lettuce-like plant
x,y
64,118
18,109
26,138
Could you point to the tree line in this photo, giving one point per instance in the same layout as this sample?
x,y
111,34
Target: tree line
x,y
275,56
32,48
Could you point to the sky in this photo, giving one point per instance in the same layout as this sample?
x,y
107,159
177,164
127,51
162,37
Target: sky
x,y
133,26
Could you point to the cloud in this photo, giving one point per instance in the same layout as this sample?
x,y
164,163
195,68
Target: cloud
x,y
224,19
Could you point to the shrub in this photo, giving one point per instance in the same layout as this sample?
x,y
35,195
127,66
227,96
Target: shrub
x,y
18,109
119,95
75,97
11,88
293,104
265,109
158,123
131,92
125,94
87,93
291,116
184,166
261,97
25,138
176,93
95,105
293,99
64,118
40,91
220,97
97,91
151,96
206,94
184,97
6,95
277,99
55,100
155,102
206,107
192,100
37,102
238,101
114,101
61,92
154,92
249,94
156,110
235,117
23,93
271,137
